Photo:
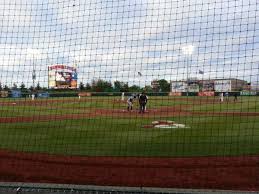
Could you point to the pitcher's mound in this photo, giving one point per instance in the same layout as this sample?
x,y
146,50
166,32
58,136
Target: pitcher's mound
x,y
165,124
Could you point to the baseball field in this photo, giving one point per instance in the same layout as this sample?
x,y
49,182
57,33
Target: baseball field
x,y
94,140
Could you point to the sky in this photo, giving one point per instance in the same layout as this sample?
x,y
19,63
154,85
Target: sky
x,y
116,39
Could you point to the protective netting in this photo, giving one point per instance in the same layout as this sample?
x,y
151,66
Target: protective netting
x,y
154,93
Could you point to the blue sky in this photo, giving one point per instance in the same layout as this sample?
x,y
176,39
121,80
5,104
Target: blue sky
x,y
115,39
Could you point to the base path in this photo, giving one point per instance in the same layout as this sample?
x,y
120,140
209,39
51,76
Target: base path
x,y
229,173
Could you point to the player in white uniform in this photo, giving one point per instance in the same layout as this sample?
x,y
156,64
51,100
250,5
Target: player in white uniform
x,y
130,103
221,97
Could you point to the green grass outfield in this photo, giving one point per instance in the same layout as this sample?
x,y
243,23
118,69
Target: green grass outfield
x,y
112,136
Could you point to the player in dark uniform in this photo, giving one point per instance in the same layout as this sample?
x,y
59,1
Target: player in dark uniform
x,y
142,102
235,96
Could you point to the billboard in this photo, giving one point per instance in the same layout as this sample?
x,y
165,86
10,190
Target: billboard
x,y
16,93
207,85
222,85
206,93
193,88
62,76
175,94
178,86
3,94
43,95
248,93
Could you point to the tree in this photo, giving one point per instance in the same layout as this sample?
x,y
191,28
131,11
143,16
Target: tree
x,y
164,86
125,87
147,89
134,88
117,86
81,86
88,87
31,88
38,87
6,88
22,87
121,86
15,87
101,86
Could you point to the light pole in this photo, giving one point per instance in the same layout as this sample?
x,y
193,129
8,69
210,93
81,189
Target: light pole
x,y
187,51
75,65
33,73
48,63
31,54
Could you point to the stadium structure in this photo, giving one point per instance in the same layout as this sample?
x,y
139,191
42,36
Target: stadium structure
x,y
215,85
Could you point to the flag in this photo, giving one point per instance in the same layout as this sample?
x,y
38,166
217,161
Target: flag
x,y
201,72
140,74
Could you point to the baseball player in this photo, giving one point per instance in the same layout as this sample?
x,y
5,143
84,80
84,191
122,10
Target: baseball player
x,y
130,103
221,97
142,102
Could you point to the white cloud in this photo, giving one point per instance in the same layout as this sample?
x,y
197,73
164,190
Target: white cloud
x,y
14,14
114,39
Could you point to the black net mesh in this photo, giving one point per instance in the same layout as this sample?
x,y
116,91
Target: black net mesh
x,y
154,93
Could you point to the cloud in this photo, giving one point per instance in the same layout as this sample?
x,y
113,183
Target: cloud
x,y
115,39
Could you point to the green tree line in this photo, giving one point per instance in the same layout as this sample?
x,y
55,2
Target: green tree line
x,y
99,85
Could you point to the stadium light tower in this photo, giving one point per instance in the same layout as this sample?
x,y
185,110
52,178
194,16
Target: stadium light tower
x,y
48,63
33,54
33,73
187,51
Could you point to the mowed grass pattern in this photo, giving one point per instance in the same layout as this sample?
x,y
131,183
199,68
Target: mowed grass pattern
x,y
113,136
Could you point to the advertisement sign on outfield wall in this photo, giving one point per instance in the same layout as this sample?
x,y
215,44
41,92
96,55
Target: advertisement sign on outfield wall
x,y
16,93
209,93
175,94
178,86
43,95
222,85
4,94
83,94
248,93
194,88
62,76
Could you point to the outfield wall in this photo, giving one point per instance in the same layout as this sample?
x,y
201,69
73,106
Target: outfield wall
x,y
45,94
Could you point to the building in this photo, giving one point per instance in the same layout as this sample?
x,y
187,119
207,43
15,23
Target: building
x,y
229,85
217,85
255,86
